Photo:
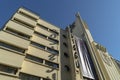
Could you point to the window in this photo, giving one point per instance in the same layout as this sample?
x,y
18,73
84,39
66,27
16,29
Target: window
x,y
53,40
64,36
41,35
45,79
23,23
54,65
8,69
18,33
52,51
38,45
73,41
74,47
53,31
67,67
24,76
65,44
34,58
41,26
75,55
44,36
12,47
71,36
77,64
24,14
66,55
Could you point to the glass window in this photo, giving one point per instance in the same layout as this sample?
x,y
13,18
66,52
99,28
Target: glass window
x,y
73,41
34,58
53,31
52,51
23,23
64,36
8,69
41,26
46,79
18,33
24,76
65,44
38,45
53,40
41,35
54,65
67,67
75,55
12,47
77,64
24,14
66,55
71,36
74,47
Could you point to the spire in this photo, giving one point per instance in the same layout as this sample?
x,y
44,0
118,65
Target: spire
x,y
77,14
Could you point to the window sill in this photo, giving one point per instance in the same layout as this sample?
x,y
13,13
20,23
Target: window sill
x,y
41,64
19,53
8,74
44,50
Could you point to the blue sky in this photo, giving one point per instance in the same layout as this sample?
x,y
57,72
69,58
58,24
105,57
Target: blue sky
x,y
102,17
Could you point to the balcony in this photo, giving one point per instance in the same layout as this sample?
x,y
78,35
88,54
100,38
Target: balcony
x,y
19,28
11,58
28,13
6,77
47,33
42,54
45,42
38,70
25,20
13,40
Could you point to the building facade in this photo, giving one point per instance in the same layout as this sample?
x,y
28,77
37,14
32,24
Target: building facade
x,y
33,49
118,63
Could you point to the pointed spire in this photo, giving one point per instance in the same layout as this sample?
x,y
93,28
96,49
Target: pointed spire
x,y
77,14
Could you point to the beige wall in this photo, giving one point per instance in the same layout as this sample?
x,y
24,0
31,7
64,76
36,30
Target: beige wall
x,y
44,42
6,77
28,13
14,40
16,59
36,69
45,32
48,25
19,28
41,53
30,25
65,75
11,58
25,19
109,65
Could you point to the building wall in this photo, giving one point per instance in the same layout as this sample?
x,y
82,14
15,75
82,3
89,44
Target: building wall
x,y
118,63
108,63
33,49
65,57
103,71
29,48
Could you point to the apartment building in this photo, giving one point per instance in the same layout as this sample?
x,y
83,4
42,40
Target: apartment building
x,y
33,49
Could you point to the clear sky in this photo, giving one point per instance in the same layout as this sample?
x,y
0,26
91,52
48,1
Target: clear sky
x,y
102,17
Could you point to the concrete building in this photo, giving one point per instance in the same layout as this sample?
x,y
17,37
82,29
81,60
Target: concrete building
x,y
33,49
118,63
